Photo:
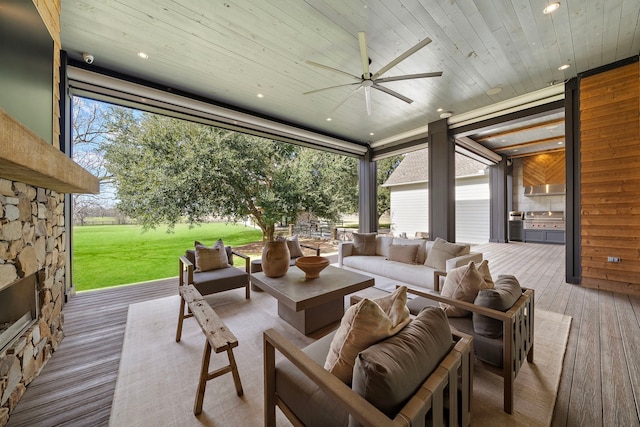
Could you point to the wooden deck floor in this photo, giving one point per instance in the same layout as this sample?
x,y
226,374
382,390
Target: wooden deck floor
x,y
600,383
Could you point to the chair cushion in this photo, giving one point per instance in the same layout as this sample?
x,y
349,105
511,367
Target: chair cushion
x,y
298,391
483,269
403,253
363,324
440,252
388,373
211,258
364,243
209,282
462,284
505,293
293,243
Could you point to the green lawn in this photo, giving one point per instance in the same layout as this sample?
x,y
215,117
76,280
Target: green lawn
x,y
109,255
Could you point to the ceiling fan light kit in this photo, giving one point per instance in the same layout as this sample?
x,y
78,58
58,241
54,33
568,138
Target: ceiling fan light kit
x,y
367,81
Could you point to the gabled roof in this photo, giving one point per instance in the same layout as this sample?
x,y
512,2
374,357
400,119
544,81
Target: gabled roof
x,y
414,168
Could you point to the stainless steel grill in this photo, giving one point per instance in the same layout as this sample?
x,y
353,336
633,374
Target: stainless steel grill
x,y
553,220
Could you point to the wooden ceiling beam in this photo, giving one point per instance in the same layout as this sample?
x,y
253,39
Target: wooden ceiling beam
x,y
530,143
520,129
535,153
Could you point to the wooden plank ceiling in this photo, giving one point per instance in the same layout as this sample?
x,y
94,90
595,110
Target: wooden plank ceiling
x,y
231,51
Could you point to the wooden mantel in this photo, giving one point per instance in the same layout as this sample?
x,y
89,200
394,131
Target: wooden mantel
x,y
26,157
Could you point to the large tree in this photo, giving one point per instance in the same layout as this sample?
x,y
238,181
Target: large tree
x,y
385,168
168,169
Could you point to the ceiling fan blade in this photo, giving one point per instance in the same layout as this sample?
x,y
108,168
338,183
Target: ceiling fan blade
x,y
393,93
335,70
367,98
345,99
402,57
409,77
330,87
364,55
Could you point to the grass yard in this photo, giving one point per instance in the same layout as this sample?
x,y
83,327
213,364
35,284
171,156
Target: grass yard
x,y
109,255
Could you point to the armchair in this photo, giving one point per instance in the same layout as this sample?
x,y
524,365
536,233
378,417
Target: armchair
x,y
503,353
212,281
307,394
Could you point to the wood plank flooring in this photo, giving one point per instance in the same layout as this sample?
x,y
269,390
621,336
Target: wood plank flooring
x,y
600,383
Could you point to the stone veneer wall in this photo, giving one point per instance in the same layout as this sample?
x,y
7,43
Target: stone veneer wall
x,y
32,237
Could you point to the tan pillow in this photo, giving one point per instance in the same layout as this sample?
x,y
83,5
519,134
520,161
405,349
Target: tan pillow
x,y
440,252
462,284
364,243
483,269
362,325
212,258
403,253
421,257
294,246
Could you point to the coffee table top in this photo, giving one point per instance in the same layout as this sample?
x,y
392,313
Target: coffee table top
x,y
296,292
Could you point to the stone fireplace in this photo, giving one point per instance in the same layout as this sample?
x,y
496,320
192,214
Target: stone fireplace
x,y
32,256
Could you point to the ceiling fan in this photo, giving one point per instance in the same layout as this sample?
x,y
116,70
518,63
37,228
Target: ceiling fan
x,y
368,80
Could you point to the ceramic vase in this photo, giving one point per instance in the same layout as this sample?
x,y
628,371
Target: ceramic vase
x,y
275,258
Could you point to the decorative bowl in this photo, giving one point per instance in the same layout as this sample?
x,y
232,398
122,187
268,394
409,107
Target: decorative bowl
x,y
312,265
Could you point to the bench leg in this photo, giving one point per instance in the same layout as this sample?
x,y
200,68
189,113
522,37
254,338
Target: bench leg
x,y
180,320
234,372
202,384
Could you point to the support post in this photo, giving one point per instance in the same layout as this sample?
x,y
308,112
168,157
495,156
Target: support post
x,y
368,194
498,208
442,204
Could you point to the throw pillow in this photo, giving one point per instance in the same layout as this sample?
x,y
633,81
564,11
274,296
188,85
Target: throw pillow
x,y
364,243
212,258
364,324
388,373
462,284
421,257
440,252
293,243
403,253
483,269
505,293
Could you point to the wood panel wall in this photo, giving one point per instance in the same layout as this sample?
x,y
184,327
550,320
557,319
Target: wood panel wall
x,y
50,12
610,179
547,168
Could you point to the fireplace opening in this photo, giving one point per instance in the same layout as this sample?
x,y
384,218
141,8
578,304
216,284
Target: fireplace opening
x,y
18,307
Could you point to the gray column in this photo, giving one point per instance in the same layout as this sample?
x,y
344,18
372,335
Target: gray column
x,y
442,204
573,259
498,202
368,194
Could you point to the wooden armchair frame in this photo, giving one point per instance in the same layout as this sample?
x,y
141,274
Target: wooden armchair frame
x,y
517,324
440,386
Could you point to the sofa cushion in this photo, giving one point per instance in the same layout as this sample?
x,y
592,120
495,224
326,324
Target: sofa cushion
x,y
382,245
403,253
364,243
364,324
441,251
413,274
293,243
504,294
212,258
224,279
421,257
388,373
462,284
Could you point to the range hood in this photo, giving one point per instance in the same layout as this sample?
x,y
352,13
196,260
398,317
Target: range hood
x,y
544,190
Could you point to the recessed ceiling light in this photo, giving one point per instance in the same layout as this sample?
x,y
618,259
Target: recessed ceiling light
x,y
260,95
446,114
494,90
515,150
564,67
560,142
329,119
143,55
551,8
439,110
371,133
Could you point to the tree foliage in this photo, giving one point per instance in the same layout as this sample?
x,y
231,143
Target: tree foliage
x,y
168,170
385,167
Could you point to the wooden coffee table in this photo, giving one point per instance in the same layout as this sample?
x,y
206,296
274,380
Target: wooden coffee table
x,y
309,305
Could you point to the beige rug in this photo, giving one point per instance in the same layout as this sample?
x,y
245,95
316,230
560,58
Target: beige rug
x,y
158,377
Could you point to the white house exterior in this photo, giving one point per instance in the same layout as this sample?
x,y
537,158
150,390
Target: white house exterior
x,y
409,187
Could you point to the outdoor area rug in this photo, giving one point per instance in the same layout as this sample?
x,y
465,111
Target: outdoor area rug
x,y
158,377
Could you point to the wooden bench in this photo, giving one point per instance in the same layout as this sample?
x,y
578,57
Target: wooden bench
x,y
218,338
